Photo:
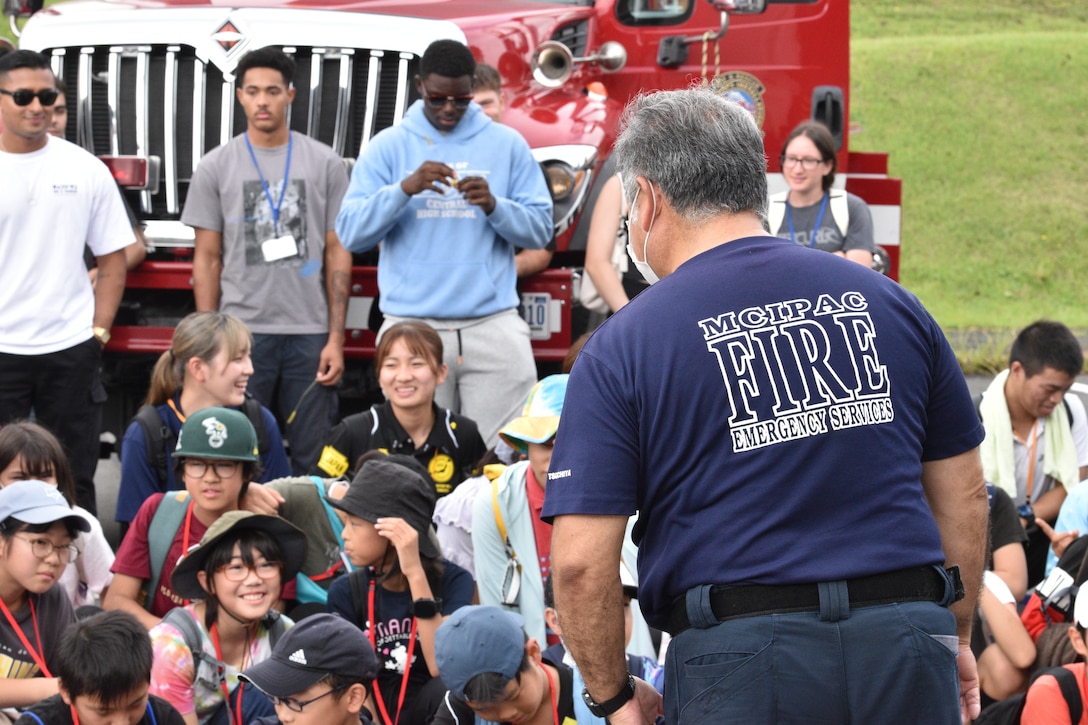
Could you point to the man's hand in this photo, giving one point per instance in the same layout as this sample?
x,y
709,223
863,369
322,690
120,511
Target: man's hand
x,y
642,709
1059,542
970,702
261,500
477,192
432,175
330,368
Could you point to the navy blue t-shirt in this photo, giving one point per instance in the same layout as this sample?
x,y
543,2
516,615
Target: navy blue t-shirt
x,y
767,409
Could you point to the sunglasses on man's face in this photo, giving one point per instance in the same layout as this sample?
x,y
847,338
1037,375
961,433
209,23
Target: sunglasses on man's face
x,y
25,96
436,101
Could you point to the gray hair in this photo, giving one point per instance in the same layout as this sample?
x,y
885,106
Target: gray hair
x,y
705,153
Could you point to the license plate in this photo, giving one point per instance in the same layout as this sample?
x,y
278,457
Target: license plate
x,y
537,311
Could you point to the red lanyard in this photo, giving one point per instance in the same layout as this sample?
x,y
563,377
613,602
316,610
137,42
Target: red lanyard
x,y
407,663
37,655
185,537
551,686
235,715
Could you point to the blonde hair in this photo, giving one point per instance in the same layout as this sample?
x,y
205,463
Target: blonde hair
x,y
202,335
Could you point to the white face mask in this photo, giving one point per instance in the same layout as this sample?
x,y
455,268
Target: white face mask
x,y
643,267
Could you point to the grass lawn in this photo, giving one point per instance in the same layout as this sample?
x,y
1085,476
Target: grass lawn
x,y
984,110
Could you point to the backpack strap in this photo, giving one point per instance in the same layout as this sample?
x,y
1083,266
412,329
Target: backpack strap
x,y
840,211
334,520
275,626
181,620
776,210
1067,682
165,524
157,436
358,596
255,412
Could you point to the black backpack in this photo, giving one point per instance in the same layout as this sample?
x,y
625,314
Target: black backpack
x,y
1009,710
158,435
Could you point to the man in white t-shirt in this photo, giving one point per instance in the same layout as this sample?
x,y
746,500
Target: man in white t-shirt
x,y
54,199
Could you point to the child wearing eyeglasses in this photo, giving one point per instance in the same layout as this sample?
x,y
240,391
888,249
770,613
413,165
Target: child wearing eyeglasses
x,y
36,530
30,452
320,673
233,577
216,458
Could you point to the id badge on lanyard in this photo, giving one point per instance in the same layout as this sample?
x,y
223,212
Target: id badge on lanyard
x,y
283,245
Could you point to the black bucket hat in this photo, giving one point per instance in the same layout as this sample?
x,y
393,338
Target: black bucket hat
x,y
382,489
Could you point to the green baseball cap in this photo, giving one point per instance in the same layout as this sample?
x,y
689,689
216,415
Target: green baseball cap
x,y
217,433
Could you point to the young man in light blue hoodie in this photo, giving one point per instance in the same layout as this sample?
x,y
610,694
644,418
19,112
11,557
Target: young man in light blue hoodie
x,y
451,195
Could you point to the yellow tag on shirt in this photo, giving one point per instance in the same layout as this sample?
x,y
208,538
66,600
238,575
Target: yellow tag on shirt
x,y
569,721
333,462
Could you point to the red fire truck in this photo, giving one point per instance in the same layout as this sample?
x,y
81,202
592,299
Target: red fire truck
x,y
151,91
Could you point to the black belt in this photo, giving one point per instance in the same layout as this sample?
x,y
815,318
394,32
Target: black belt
x,y
923,583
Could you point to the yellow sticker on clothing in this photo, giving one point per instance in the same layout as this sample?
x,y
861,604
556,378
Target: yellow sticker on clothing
x,y
333,462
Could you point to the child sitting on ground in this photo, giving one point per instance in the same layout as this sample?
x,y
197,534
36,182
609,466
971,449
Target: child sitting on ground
x,y
320,673
496,673
104,674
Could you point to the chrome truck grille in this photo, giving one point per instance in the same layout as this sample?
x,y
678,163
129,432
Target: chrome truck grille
x,y
164,102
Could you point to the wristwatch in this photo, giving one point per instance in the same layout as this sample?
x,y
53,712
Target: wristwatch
x,y
102,334
606,708
426,608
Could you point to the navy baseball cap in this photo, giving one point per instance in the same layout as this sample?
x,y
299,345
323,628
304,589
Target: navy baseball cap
x,y
318,646
476,640
37,502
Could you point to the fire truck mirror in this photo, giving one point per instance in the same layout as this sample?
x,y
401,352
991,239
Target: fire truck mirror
x,y
22,8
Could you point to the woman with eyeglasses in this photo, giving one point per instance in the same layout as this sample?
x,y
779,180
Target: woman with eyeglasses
x,y
215,458
37,527
812,213
207,365
233,578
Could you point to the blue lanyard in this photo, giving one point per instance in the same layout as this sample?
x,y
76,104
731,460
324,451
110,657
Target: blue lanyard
x,y
789,216
275,206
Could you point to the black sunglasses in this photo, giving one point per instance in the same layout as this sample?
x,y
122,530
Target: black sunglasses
x,y
436,101
24,96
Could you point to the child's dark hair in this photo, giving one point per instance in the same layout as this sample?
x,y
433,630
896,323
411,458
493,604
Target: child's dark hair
x,y
489,686
339,684
107,656
11,526
41,452
248,541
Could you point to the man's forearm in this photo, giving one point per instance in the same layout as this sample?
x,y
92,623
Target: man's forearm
x,y
957,497
589,598
109,288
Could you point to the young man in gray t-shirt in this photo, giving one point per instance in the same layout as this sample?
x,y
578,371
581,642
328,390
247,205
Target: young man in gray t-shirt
x,y
264,209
